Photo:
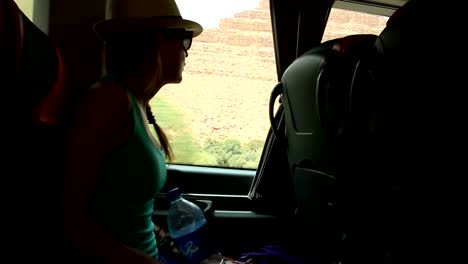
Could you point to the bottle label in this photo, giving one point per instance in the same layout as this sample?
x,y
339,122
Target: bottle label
x,y
195,246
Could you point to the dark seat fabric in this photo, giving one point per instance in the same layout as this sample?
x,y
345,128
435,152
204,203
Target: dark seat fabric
x,y
391,98
316,97
33,94
355,110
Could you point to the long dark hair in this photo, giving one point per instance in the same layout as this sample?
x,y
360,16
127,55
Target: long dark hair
x,y
161,135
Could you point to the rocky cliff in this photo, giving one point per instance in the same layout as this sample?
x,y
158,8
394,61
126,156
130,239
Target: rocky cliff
x,y
231,71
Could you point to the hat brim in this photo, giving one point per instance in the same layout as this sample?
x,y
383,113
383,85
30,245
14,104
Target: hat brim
x,y
107,28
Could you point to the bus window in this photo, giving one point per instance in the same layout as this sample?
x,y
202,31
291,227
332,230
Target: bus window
x,y
218,115
343,22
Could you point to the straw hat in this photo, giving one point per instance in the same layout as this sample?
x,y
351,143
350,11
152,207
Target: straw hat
x,y
139,15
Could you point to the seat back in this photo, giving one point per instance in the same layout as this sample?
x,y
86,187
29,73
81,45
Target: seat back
x,y
353,111
33,96
316,90
386,124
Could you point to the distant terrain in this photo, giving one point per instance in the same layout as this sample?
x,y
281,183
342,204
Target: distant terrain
x,y
227,86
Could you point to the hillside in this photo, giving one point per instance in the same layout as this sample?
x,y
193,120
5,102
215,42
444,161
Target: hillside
x,y
231,71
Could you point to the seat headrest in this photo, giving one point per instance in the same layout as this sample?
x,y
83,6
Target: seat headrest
x,y
316,96
42,74
354,45
32,64
400,13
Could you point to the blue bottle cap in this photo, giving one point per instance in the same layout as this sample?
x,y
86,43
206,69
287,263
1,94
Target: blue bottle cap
x,y
173,194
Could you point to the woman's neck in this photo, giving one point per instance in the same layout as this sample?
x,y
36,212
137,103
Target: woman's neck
x,y
143,87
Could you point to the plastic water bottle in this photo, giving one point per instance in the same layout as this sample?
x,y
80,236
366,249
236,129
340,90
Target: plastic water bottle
x,y
188,228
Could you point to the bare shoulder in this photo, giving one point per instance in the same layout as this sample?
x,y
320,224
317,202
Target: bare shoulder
x,y
104,109
105,96
109,92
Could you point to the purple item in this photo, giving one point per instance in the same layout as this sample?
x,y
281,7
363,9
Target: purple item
x,y
271,254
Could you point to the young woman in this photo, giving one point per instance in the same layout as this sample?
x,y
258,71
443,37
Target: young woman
x,y
114,166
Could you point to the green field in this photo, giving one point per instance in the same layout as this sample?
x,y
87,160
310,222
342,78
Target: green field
x,y
187,150
173,122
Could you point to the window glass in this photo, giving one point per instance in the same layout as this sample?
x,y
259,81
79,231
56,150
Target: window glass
x,y
218,115
27,6
343,22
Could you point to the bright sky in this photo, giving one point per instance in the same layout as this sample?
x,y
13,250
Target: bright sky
x,y
210,12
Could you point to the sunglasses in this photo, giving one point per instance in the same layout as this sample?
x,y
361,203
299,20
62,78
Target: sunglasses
x,y
187,37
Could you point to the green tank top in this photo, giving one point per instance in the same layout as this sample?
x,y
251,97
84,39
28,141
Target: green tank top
x,y
134,173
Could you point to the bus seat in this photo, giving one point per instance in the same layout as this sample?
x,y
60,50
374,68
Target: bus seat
x,y
316,99
33,98
382,147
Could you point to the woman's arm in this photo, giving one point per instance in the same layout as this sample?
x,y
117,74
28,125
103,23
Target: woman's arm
x,y
102,117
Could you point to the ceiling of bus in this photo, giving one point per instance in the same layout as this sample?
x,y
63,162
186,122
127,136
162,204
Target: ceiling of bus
x,y
377,7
